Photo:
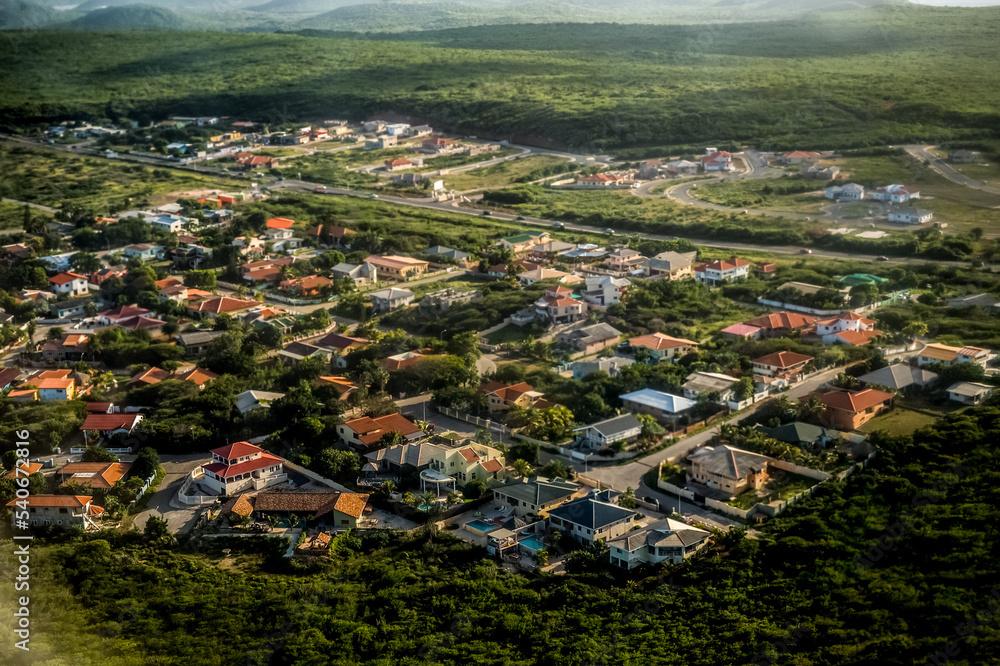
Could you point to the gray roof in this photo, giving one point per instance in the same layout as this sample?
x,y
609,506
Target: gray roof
x,y
616,425
671,261
970,389
729,461
666,532
706,382
591,513
250,400
538,490
595,333
300,350
447,252
899,376
608,365
798,432
198,337
415,455
392,293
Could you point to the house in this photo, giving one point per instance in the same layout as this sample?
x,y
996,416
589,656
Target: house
x,y
698,383
664,407
362,275
398,268
661,346
382,142
403,360
256,162
848,192
964,156
451,254
547,252
612,366
7,376
197,343
533,496
530,277
604,290
590,339
589,519
52,385
143,251
443,299
600,435
69,284
399,163
716,160
167,222
344,344
946,355
666,540
803,434
437,145
391,298
910,215
895,193
74,307
799,157
603,180
365,432
96,475
397,129
341,385
311,285
252,246
60,510
744,331
148,377
296,351
214,307
624,260
121,313
781,324
560,306
721,270
198,376
69,347
23,470
342,510
57,262
331,233
650,169
671,265
682,167
849,410
900,377
728,470
817,172
783,364
524,242
241,466
18,252
970,393
847,328
447,466
501,397
250,400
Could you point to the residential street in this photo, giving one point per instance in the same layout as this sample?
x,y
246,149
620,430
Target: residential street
x,y
177,468
942,167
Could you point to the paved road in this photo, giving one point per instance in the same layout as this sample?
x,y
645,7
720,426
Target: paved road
x,y
941,167
177,468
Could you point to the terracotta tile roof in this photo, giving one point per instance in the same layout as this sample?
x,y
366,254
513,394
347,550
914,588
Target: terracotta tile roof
x,y
51,384
352,504
505,392
971,351
95,475
98,407
724,264
855,402
236,450
241,506
741,329
370,430
940,352
109,421
168,282
342,385
64,278
858,337
152,376
783,359
394,261
492,465
72,501
798,154
280,223
199,376
123,312
29,469
229,471
659,341
469,454
222,305
782,320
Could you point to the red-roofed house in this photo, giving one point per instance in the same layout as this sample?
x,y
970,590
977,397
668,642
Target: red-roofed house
x,y
60,510
52,385
398,164
69,284
364,433
849,410
847,328
602,180
559,306
800,157
310,285
97,475
779,324
745,331
662,346
501,396
717,160
784,364
98,277
106,425
241,466
114,315
722,270
69,347
280,223
213,307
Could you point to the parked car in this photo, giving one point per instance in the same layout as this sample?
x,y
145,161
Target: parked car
x,y
882,258
321,188
487,213
373,196
558,225
609,231
805,250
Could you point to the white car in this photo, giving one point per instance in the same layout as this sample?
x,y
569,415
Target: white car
x,y
373,196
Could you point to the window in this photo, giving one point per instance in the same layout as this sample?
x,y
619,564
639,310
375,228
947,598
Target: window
x,y
63,510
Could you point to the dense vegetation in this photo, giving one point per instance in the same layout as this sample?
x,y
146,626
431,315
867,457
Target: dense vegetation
x,y
887,568
802,84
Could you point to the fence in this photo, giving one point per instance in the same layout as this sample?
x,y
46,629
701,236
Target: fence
x,y
77,449
185,498
145,487
674,490
298,469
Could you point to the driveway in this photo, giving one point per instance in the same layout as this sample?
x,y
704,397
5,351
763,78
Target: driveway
x,y
177,468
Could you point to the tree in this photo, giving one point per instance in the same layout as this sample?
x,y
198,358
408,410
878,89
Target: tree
x,y
650,427
338,465
85,262
556,469
94,453
474,489
391,438
743,389
146,463
627,498
915,329
522,467
156,529
453,499
864,294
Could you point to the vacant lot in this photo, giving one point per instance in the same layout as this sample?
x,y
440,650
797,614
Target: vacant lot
x,y
899,421
500,175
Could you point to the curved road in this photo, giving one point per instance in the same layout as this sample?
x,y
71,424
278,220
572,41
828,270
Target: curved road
x,y
941,167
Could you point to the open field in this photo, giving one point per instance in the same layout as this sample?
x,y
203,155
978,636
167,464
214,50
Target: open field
x,y
987,172
898,421
60,179
502,174
12,215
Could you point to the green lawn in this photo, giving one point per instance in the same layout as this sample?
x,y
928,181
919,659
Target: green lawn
x,y
986,172
507,334
500,175
898,421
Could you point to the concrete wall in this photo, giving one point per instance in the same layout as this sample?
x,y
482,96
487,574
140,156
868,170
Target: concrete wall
x,y
671,489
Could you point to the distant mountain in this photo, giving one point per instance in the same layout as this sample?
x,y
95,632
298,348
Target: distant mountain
x,y
131,17
305,6
18,14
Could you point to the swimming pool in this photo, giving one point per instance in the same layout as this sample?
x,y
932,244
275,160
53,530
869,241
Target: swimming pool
x,y
479,527
532,543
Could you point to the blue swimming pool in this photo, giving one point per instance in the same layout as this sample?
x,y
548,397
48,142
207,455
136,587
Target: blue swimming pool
x,y
479,526
532,543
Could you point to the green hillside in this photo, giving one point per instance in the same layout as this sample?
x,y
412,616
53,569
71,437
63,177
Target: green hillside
x,y
871,77
18,14
130,17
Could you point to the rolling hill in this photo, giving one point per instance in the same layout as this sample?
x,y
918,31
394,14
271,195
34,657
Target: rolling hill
x,y
131,17
18,14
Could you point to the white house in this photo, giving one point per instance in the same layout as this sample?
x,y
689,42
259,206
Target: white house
x,y
604,433
716,160
397,129
242,466
969,393
391,298
666,540
722,270
59,510
849,192
910,215
604,289
69,284
846,328
895,193
167,222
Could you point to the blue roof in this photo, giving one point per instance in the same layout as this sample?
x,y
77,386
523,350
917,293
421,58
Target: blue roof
x,y
659,400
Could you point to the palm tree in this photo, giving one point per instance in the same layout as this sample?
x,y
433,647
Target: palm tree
x,y
522,467
428,498
387,487
453,499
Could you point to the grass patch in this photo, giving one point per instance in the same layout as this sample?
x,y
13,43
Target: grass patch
x,y
899,421
12,215
508,334
457,160
502,174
